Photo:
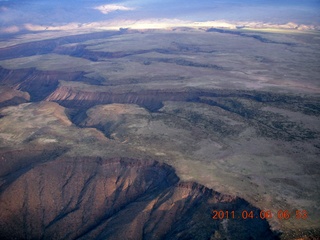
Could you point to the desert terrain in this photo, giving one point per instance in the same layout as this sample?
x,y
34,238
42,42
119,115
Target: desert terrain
x,y
141,134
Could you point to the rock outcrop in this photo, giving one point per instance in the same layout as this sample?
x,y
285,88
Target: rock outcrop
x,y
94,198
150,99
39,84
10,97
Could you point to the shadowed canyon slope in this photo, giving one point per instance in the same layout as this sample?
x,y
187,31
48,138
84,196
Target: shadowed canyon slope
x,y
93,198
141,134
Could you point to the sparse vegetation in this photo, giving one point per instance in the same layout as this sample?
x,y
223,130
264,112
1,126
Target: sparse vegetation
x,y
237,112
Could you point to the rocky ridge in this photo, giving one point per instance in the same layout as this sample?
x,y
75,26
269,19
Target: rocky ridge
x,y
88,198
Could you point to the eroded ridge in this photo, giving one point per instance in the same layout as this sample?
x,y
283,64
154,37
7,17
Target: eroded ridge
x,y
95,198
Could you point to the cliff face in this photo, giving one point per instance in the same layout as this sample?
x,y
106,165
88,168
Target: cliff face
x,y
10,97
150,99
39,84
94,198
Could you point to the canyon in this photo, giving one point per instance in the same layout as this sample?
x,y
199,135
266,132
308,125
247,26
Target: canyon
x,y
96,198
143,134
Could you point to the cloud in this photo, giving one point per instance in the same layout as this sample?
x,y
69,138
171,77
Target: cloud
x,y
69,26
105,9
11,29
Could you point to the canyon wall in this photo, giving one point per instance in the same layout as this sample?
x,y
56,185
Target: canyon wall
x,y
95,198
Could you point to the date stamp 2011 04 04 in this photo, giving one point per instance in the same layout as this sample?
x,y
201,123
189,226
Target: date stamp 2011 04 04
x,y
262,214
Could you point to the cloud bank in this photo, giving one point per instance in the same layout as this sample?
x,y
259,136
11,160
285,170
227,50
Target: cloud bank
x,y
108,8
17,14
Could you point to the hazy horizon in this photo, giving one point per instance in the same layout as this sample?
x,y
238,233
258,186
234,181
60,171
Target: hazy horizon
x,y
18,12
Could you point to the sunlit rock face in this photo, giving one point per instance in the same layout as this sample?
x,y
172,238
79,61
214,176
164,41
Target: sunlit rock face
x,y
94,198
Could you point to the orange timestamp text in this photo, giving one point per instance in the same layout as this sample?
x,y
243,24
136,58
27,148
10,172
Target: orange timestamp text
x,y
262,214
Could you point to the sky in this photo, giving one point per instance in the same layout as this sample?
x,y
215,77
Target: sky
x,y
59,12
